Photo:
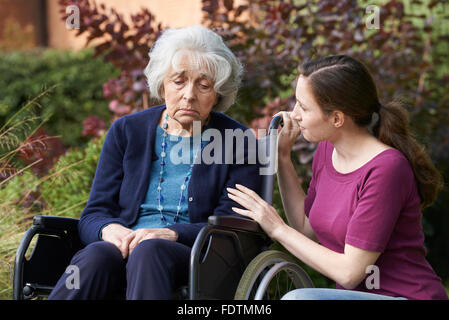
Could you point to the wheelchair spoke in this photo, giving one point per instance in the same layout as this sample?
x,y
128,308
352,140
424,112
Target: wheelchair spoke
x,y
290,286
276,291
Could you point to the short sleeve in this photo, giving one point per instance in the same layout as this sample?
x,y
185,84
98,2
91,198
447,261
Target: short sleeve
x,y
384,193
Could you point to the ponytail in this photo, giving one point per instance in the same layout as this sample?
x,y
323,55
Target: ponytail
x,y
393,129
344,83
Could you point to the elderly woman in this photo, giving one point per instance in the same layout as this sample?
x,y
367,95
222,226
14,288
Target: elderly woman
x,y
146,206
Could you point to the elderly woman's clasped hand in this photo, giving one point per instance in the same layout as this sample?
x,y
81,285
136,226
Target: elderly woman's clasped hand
x,y
126,239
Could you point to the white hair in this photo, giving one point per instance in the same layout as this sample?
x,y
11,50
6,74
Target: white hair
x,y
204,48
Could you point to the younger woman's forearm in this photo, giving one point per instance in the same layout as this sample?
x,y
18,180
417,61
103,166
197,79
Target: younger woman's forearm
x,y
292,194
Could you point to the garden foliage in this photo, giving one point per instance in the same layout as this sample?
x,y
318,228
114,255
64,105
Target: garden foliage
x,y
406,53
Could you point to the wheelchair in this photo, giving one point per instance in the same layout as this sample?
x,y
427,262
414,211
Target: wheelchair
x,y
230,259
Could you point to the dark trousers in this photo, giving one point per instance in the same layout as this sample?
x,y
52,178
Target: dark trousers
x,y
153,271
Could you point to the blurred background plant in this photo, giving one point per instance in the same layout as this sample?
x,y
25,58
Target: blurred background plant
x,y
26,191
114,40
407,55
78,95
17,138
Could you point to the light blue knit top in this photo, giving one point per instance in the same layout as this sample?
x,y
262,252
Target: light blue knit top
x,y
180,153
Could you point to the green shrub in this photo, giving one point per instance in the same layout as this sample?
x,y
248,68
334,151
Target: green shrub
x,y
79,78
65,190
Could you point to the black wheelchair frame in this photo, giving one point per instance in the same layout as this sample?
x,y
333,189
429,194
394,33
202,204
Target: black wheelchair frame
x,y
222,251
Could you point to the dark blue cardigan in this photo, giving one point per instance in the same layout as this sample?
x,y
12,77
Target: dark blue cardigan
x,y
122,178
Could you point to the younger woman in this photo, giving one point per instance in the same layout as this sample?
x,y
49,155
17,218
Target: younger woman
x,y
360,222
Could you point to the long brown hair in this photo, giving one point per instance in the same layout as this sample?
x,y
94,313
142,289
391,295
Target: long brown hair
x,y
344,83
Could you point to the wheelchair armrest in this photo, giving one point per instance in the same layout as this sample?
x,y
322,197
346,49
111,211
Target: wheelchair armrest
x,y
226,245
55,223
239,223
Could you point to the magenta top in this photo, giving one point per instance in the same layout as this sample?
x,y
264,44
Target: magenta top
x,y
375,208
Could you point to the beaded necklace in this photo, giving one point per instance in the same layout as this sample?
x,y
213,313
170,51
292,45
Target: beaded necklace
x,y
183,187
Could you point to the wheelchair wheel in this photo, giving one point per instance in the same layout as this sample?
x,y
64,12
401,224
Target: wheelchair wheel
x,y
269,276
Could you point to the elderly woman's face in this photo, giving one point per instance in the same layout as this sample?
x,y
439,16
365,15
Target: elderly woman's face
x,y
189,94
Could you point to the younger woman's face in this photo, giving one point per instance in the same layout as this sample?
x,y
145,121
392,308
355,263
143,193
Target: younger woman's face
x,y
314,123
